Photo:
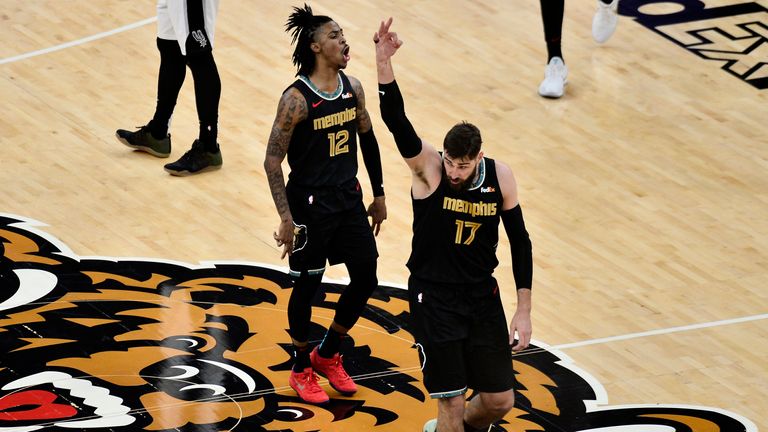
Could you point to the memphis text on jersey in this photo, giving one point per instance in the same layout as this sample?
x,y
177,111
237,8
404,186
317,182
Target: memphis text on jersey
x,y
473,208
335,119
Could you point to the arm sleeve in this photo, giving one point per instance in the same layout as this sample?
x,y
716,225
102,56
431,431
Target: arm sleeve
x,y
393,113
520,244
372,160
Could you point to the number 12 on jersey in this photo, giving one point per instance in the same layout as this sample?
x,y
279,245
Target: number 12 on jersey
x,y
338,142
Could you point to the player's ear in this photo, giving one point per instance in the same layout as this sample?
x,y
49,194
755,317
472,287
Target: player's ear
x,y
315,47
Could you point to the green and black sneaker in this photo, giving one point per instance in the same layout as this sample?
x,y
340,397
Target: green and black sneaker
x,y
143,140
195,161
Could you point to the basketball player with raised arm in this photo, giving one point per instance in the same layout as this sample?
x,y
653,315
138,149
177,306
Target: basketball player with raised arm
x,y
322,216
459,197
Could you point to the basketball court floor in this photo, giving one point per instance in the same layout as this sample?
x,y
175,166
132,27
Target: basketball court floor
x,y
131,300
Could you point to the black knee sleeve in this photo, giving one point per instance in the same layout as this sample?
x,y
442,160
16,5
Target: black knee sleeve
x,y
300,305
362,282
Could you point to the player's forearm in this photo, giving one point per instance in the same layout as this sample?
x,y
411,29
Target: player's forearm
x,y
385,71
369,146
524,302
392,109
520,246
274,170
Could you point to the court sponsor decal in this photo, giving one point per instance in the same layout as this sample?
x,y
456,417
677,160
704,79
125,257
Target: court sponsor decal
x,y
734,35
125,344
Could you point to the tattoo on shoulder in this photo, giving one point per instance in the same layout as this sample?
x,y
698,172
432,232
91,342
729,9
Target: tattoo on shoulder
x,y
291,110
363,119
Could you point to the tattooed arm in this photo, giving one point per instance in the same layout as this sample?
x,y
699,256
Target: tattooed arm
x,y
291,110
363,119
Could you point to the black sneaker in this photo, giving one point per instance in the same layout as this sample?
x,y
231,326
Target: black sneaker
x,y
196,160
143,140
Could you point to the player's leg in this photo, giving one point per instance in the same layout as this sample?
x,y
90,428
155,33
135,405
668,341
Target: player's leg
x,y
207,96
450,415
486,409
552,12
302,377
307,265
438,323
556,73
205,154
353,244
170,78
489,361
444,378
154,138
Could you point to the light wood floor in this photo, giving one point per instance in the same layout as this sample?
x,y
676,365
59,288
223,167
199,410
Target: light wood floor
x,y
645,189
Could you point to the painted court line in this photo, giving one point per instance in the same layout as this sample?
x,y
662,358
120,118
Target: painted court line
x,y
78,41
661,331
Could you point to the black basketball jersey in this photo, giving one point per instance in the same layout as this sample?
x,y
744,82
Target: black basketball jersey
x,y
323,148
455,233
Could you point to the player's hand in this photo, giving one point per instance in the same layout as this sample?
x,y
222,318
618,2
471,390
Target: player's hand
x,y
378,213
521,323
386,42
284,236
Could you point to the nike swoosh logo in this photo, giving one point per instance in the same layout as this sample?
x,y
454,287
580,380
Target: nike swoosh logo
x,y
316,104
381,92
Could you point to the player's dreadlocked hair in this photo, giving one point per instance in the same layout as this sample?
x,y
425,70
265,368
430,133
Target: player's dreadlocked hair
x,y
302,25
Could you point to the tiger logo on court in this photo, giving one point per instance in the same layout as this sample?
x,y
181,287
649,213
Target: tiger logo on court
x,y
146,345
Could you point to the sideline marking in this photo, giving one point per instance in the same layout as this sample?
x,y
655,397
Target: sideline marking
x,y
65,45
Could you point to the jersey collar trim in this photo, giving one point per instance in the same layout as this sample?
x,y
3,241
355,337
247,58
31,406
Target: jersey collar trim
x,y
322,94
480,175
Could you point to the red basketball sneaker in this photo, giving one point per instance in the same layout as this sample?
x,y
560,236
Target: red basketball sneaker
x,y
305,384
333,370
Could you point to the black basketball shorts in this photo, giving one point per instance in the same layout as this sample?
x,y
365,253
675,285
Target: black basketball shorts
x,y
462,337
342,237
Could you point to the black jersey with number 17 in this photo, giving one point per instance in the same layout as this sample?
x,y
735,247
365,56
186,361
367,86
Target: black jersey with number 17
x,y
455,233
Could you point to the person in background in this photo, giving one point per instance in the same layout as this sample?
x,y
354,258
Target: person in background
x,y
185,34
556,73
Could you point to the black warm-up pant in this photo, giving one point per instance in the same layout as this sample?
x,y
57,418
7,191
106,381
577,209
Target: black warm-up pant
x,y
173,69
